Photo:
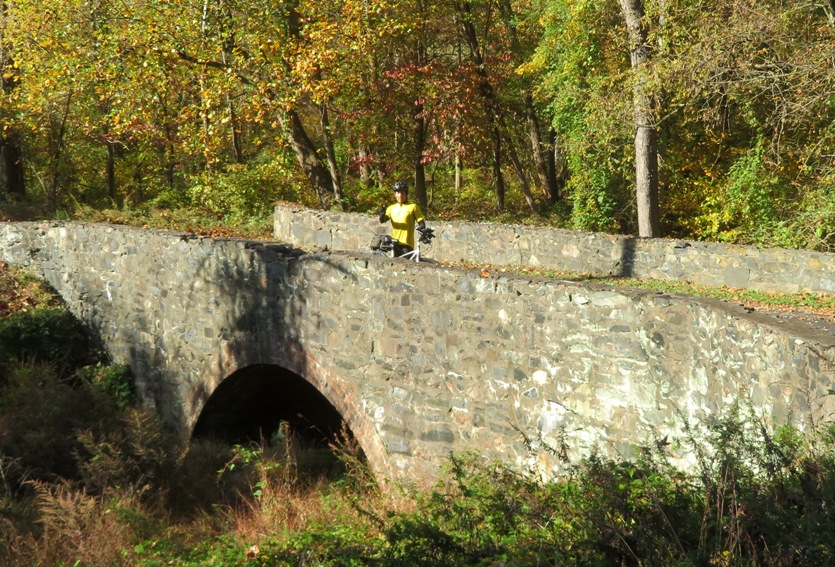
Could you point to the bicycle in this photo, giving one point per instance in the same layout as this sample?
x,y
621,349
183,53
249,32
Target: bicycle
x,y
385,245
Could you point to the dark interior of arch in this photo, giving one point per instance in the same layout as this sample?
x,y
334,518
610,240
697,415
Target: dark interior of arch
x,y
251,404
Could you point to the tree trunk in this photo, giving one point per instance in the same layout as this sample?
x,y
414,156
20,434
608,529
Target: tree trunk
x,y
498,179
457,176
167,151
237,147
364,167
12,179
308,158
320,177
520,175
111,170
557,166
57,135
420,145
538,150
204,120
494,113
139,183
646,135
419,118
330,152
463,10
542,157
229,47
646,181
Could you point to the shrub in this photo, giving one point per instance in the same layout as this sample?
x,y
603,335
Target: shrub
x,y
246,191
114,380
79,529
751,206
48,334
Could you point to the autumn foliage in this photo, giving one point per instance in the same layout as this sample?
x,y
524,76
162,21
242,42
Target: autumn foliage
x,y
520,110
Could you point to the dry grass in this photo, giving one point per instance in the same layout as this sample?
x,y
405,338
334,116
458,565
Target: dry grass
x,y
261,501
76,528
286,497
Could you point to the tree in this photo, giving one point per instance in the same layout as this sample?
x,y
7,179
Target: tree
x,y
465,19
646,134
580,78
12,178
723,109
543,153
755,87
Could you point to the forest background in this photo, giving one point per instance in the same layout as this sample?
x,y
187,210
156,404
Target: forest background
x,y
695,119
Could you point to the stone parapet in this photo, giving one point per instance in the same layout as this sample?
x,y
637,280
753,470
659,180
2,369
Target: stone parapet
x,y
705,263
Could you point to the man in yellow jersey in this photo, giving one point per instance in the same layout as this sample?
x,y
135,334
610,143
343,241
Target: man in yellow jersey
x,y
403,219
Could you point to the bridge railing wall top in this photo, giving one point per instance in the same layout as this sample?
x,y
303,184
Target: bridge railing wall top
x,y
704,263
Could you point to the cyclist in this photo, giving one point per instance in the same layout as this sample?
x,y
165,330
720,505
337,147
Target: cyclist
x,y
403,219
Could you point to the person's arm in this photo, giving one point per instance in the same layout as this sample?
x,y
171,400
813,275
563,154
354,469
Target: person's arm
x,y
421,222
383,216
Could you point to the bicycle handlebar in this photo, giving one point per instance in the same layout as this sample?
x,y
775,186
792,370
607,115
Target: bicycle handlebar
x,y
426,235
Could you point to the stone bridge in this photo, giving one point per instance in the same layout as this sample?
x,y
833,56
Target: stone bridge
x,y
230,337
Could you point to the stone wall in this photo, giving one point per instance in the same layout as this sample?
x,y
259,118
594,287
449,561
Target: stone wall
x,y
422,359
601,254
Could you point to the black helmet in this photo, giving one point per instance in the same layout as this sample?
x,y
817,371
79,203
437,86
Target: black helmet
x,y
401,186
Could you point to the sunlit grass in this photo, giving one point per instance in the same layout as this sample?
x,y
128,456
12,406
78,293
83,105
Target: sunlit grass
x,y
192,221
822,302
20,291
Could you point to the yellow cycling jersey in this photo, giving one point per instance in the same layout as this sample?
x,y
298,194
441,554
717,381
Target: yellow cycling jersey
x,y
403,220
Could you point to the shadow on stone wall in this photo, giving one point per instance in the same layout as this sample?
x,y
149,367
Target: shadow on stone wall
x,y
261,383
627,258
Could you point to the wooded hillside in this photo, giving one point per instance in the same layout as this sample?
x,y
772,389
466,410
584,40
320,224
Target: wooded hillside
x,y
699,119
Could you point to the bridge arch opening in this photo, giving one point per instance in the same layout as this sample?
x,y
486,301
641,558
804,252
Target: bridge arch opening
x,y
271,404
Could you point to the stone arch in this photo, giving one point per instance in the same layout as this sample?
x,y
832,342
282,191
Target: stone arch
x,y
238,355
251,404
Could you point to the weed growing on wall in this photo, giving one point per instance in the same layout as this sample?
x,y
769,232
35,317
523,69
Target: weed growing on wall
x,y
115,380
